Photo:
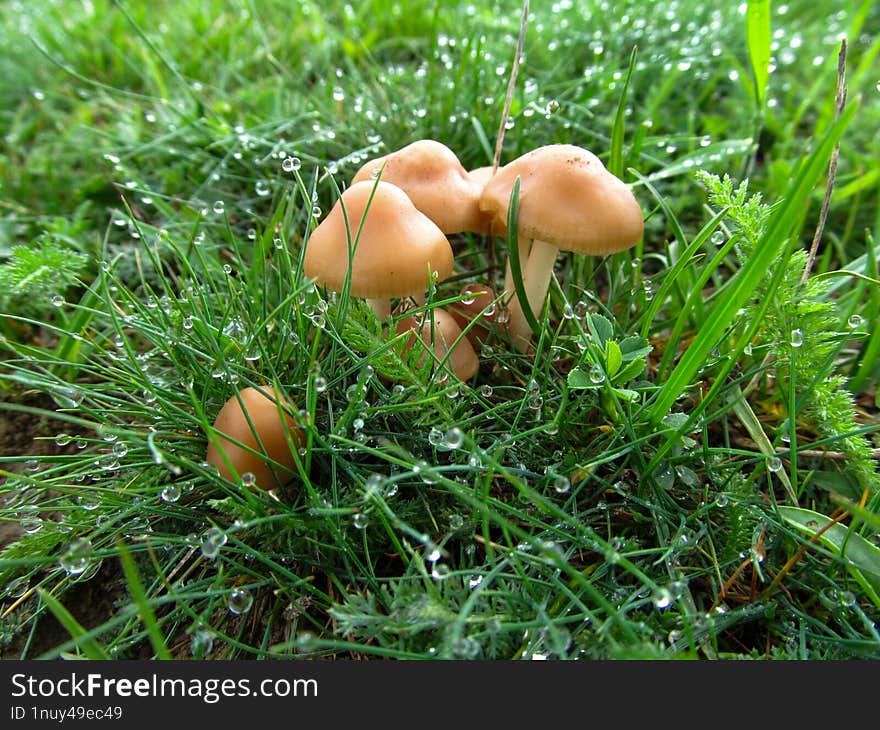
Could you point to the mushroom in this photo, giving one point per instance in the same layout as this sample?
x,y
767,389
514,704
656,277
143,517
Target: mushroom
x,y
475,311
253,434
440,332
567,200
395,249
435,180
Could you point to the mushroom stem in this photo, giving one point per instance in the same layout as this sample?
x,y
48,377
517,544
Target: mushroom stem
x,y
381,308
537,272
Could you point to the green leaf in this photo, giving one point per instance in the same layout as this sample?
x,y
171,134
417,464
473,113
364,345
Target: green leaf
x,y
862,557
626,394
613,358
633,347
91,648
758,36
600,328
580,380
633,369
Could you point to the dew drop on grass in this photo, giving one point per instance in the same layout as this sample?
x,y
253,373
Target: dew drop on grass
x,y
17,587
262,188
57,300
722,500
30,525
239,601
486,391
662,597
568,311
171,493
597,374
248,480
212,540
219,207
291,164
201,643
320,383
797,338
454,438
440,571
855,321
76,556
718,238
361,521
774,464
435,437
562,484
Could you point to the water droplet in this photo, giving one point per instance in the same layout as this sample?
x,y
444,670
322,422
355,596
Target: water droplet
x,y
456,522
30,525
597,374
76,557
454,438
486,391
218,207
722,500
57,300
291,164
562,484
248,480
440,571
17,587
316,211
239,601
361,520
718,238
201,643
212,540
568,311
855,321
797,338
774,464
171,493
435,437
552,106
535,402
262,188
320,384
662,597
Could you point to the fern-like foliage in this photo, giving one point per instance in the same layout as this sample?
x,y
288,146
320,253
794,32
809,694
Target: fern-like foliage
x,y
34,273
798,312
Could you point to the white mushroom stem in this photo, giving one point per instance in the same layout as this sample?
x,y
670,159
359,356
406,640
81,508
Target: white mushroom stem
x,y
523,248
381,308
537,272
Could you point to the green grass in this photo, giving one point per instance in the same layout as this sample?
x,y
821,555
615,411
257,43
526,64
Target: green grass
x,y
659,479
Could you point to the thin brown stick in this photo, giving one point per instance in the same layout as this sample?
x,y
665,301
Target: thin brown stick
x,y
840,102
511,85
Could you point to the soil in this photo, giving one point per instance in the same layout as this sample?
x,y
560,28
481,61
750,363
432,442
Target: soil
x,y
30,435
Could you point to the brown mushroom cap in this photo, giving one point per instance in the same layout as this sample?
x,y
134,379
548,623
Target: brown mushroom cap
x,y
463,360
567,198
249,422
435,180
395,244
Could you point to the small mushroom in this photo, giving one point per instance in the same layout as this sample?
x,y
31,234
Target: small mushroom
x,y
436,182
396,249
476,311
567,200
253,434
440,332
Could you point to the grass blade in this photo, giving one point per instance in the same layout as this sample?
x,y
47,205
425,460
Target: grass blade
x,y
91,648
862,557
758,36
139,596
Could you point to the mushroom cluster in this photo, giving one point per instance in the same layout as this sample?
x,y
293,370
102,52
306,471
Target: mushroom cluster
x,y
385,238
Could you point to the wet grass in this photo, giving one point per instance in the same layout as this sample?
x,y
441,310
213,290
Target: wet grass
x,y
683,468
